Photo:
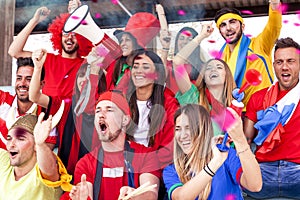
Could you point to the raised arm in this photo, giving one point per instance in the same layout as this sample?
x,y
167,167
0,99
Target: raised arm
x,y
251,178
275,4
164,35
181,76
46,159
73,4
16,48
271,31
35,94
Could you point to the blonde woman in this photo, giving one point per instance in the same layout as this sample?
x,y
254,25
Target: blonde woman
x,y
200,170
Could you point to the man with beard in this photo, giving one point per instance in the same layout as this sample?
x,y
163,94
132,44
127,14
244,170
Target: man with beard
x,y
271,122
242,53
117,166
14,106
60,69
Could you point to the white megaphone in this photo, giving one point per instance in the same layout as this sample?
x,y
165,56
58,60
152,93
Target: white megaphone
x,y
81,22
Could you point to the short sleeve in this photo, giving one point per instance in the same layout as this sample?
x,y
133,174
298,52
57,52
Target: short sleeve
x,y
191,96
255,104
171,179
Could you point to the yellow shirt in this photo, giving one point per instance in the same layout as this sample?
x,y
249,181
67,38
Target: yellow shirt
x,y
28,187
262,45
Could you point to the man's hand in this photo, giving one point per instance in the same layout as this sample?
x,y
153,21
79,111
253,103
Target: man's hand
x,y
73,4
81,190
124,191
42,129
38,58
41,14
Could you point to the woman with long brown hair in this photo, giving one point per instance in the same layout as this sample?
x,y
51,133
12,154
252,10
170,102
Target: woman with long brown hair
x,y
200,170
152,105
214,85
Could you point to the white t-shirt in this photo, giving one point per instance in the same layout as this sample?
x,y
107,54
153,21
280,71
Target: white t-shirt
x,y
141,133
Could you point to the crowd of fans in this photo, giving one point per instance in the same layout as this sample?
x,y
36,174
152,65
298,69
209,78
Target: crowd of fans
x,y
120,121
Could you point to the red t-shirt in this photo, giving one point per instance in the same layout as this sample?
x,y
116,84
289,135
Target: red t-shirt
x,y
114,173
60,75
288,148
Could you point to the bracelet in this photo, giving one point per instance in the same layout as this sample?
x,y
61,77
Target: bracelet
x,y
240,152
165,49
208,171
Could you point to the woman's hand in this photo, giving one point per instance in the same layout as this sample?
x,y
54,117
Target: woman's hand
x,y
165,39
206,30
235,131
219,157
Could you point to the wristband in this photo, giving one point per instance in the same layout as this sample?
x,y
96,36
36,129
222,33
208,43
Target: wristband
x,y
240,152
208,171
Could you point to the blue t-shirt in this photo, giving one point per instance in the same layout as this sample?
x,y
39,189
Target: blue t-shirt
x,y
225,184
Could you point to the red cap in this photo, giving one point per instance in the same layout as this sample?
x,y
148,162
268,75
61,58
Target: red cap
x,y
116,98
143,26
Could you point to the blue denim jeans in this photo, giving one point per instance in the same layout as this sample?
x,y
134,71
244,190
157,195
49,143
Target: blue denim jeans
x,y
280,179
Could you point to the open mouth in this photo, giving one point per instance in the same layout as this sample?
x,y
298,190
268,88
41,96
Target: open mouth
x,y
285,75
23,89
23,92
186,145
103,126
69,43
213,76
139,77
230,34
12,153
